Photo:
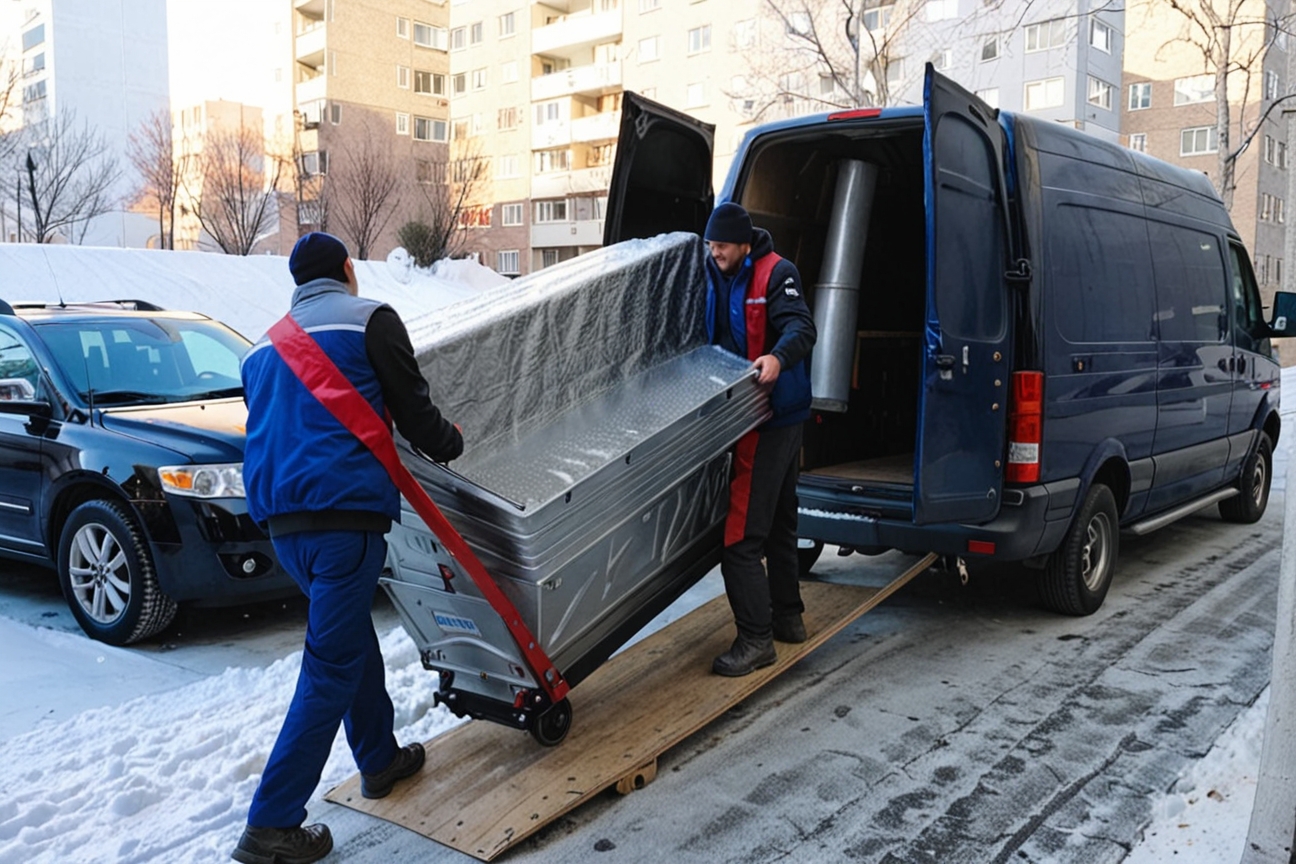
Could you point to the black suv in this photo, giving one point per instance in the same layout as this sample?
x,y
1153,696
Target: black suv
x,y
121,462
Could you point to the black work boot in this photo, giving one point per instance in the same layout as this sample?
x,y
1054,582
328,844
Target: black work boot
x,y
409,759
745,656
283,845
789,628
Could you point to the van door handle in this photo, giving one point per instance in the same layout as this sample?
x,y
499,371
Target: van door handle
x,y
1241,365
944,361
1225,364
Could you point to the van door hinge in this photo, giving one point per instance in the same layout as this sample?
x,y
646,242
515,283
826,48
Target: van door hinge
x,y
1021,272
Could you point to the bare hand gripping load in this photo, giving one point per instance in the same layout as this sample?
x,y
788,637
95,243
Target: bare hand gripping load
x,y
595,483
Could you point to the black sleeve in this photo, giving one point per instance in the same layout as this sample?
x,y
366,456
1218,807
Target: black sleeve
x,y
789,315
404,391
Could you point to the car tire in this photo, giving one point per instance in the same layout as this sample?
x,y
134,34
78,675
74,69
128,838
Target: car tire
x,y
1257,474
807,555
1079,572
106,572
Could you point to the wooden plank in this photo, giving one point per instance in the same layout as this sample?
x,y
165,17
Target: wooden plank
x,y
882,469
486,787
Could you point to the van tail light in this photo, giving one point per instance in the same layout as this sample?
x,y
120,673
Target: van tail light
x,y
1025,427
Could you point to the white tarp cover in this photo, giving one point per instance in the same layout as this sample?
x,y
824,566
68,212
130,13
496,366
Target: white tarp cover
x,y
247,293
517,358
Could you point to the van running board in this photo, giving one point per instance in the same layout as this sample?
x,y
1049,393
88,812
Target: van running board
x,y
1147,526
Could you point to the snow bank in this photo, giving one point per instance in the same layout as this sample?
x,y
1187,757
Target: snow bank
x,y
247,293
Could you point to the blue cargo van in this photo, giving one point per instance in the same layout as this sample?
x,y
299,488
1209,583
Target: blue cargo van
x,y
1030,339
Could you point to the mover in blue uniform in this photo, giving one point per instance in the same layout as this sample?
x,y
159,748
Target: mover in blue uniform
x,y
755,309
327,502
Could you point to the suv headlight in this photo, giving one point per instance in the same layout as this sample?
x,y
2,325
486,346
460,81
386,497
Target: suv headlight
x,y
204,481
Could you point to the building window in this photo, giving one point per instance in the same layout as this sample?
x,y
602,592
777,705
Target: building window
x,y
429,172
429,83
649,5
827,85
402,28
599,154
1140,96
34,92
549,161
878,18
402,123
427,36
429,129
508,166
1138,141
335,113
459,130
508,118
941,10
551,211
314,163
511,215
507,24
549,112
1275,152
1271,208
648,49
1100,36
1048,93
479,79
1272,85
744,34
1198,88
1046,35
403,77
458,38
990,49
1197,140
942,60
990,96
548,257
461,83
476,33
509,262
1100,93
895,72
695,95
699,39
33,37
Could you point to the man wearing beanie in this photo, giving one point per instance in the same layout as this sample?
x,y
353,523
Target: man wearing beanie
x,y
327,502
755,309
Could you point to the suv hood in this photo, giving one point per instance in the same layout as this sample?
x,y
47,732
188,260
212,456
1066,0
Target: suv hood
x,y
206,432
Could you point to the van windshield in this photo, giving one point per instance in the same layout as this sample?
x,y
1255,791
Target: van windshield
x,y
147,360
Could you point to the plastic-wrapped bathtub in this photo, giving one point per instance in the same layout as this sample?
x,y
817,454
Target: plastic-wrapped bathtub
x,y
594,482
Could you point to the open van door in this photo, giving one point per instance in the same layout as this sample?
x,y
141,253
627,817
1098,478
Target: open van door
x,y
661,180
963,407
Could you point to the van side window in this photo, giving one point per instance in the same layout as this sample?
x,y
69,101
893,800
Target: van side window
x,y
1248,316
1190,283
19,373
1101,276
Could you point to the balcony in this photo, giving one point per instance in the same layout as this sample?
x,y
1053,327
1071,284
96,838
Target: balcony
x,y
310,8
312,91
310,47
597,127
549,234
560,184
548,135
577,33
595,79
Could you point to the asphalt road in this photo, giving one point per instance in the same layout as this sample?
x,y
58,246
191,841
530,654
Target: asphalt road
x,y
952,724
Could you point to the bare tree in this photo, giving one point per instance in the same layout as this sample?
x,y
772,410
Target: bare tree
x,y
70,175
151,150
237,199
1232,41
362,189
9,78
447,190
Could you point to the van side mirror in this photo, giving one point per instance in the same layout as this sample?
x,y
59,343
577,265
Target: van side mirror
x,y
29,407
1284,315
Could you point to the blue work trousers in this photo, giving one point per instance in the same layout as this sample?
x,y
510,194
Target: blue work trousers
x,y
341,678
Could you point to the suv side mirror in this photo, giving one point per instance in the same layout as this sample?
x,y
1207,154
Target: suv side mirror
x,y
33,407
1284,315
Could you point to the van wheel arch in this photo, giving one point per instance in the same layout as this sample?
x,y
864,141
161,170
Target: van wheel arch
x,y
1271,427
1115,475
72,497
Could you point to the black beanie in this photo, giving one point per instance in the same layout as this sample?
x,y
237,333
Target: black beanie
x,y
729,223
317,256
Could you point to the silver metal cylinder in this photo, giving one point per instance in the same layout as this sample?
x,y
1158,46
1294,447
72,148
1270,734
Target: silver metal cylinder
x,y
836,305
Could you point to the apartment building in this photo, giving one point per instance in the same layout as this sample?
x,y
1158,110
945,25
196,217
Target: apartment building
x,y
1170,111
371,89
105,61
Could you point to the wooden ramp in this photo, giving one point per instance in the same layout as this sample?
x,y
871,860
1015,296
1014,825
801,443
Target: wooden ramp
x,y
485,787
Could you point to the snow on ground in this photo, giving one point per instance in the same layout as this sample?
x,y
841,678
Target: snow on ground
x,y
247,293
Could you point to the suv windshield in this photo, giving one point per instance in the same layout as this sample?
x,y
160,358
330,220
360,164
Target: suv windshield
x,y
151,360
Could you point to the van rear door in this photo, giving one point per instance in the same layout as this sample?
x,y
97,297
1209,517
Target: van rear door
x,y
661,180
958,470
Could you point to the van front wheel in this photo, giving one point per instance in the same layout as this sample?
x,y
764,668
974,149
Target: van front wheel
x,y
1076,578
1257,473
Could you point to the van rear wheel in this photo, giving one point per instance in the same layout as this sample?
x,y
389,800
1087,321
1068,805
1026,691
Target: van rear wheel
x,y
1076,578
1257,474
